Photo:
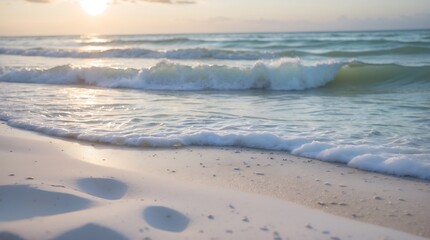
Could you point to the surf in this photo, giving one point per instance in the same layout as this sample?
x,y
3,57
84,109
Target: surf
x,y
283,75
202,53
288,74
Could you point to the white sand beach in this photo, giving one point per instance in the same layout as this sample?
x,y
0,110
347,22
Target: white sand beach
x,y
57,189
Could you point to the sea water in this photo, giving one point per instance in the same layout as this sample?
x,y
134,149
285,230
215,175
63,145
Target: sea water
x,y
359,98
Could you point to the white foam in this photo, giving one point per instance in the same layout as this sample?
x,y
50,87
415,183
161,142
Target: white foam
x,y
416,165
390,160
285,74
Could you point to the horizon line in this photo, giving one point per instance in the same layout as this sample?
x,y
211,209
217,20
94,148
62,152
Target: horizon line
x,y
227,32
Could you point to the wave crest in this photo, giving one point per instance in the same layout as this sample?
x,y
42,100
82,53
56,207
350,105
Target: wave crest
x,y
187,53
207,53
285,74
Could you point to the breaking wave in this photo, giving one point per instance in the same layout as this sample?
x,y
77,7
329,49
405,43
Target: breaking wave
x,y
283,75
287,74
206,53
189,53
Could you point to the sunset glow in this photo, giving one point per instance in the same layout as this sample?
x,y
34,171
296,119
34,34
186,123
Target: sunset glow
x,y
94,7
202,16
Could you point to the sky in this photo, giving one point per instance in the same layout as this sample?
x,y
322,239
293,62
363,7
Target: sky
x,y
66,17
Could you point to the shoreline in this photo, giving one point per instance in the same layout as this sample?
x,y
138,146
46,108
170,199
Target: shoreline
x,y
252,177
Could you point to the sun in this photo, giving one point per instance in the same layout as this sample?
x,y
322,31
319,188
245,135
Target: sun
x,y
94,7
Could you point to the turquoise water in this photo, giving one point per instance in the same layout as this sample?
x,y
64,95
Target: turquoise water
x,y
360,98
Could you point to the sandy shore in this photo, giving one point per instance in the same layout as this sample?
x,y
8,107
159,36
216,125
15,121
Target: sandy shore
x,y
56,189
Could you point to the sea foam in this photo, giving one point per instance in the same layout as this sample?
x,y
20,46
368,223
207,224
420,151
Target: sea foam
x,y
287,74
207,53
400,161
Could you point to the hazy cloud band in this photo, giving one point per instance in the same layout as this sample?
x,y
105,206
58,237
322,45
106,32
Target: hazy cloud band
x,y
133,1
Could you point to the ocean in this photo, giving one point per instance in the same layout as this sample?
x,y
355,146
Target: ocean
x,y
358,98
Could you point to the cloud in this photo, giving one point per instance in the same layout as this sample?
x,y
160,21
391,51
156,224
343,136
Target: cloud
x,y
185,2
39,1
158,1
132,1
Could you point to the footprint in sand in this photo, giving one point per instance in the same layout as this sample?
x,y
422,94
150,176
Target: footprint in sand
x,y
22,201
91,231
103,187
166,219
